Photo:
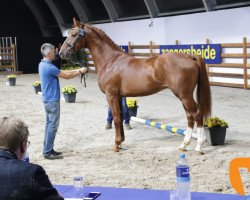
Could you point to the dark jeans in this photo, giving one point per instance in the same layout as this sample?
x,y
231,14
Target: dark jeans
x,y
124,111
52,110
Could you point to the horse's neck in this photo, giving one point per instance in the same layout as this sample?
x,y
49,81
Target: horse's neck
x,y
100,49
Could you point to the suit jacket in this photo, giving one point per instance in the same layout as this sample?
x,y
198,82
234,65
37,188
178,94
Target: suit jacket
x,y
21,180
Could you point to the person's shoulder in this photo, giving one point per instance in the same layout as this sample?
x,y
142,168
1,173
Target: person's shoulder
x,y
28,165
34,169
33,166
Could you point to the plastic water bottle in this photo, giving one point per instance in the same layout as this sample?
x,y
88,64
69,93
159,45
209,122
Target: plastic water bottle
x,y
26,157
183,177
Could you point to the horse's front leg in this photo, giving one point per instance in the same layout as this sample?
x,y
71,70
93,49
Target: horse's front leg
x,y
115,104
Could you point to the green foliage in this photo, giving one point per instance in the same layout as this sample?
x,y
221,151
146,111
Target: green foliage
x,y
215,122
76,60
11,76
131,102
69,67
69,89
37,83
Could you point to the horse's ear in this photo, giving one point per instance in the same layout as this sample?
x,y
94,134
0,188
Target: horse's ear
x,y
76,22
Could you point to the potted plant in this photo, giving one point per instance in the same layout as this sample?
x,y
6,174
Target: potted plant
x,y
69,92
11,79
215,130
37,86
132,106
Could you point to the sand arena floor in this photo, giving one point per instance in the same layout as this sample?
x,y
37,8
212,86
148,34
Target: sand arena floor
x,y
149,155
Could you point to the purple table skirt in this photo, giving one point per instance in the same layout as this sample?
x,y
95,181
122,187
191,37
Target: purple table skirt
x,y
108,193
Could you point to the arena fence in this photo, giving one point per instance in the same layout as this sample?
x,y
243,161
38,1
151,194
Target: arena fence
x,y
233,71
235,62
8,57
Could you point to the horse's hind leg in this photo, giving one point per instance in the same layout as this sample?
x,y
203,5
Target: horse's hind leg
x,y
188,134
192,109
200,140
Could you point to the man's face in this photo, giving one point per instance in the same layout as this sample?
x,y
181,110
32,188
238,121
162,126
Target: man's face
x,y
52,54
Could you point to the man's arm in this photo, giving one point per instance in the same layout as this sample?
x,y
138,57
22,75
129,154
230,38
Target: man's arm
x,y
68,74
43,188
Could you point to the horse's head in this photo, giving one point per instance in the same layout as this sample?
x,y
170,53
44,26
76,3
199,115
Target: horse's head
x,y
74,41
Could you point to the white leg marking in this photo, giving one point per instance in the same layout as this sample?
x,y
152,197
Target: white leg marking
x,y
200,139
186,140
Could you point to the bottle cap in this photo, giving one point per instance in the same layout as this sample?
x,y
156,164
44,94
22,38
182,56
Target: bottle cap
x,y
78,178
182,155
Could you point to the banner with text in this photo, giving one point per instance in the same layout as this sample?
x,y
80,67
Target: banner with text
x,y
124,48
211,53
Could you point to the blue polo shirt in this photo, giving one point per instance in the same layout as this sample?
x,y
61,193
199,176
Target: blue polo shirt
x,y
49,81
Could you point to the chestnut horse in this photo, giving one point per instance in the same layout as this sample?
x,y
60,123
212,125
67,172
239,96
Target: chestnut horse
x,y
120,74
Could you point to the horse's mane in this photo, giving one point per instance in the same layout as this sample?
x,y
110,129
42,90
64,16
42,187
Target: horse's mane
x,y
104,35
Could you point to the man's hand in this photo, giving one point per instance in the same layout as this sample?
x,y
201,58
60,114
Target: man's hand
x,y
83,70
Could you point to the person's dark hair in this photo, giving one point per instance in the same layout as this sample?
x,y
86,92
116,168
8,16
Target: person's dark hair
x,y
13,131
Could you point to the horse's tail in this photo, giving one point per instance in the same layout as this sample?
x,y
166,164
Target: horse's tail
x,y
203,89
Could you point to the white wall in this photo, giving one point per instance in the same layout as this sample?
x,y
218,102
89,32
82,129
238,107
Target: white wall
x,y
219,26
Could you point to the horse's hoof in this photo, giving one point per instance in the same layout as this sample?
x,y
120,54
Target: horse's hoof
x,y
115,149
120,146
199,152
183,149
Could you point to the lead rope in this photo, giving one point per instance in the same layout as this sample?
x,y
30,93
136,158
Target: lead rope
x,y
73,60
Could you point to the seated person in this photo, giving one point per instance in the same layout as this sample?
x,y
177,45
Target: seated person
x,y
125,116
20,180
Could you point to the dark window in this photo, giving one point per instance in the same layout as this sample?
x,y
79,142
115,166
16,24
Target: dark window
x,y
178,5
46,13
17,19
223,2
97,10
67,10
130,8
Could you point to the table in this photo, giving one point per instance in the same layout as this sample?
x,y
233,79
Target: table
x,y
108,193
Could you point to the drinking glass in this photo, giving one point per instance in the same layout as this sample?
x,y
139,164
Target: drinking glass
x,y
78,185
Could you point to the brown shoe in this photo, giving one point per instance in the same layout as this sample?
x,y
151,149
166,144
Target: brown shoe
x,y
53,157
108,126
128,127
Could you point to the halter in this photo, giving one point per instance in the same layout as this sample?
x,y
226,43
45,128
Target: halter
x,y
81,33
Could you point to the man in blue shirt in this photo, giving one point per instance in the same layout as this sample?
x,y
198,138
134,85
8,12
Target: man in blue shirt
x,y
49,74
